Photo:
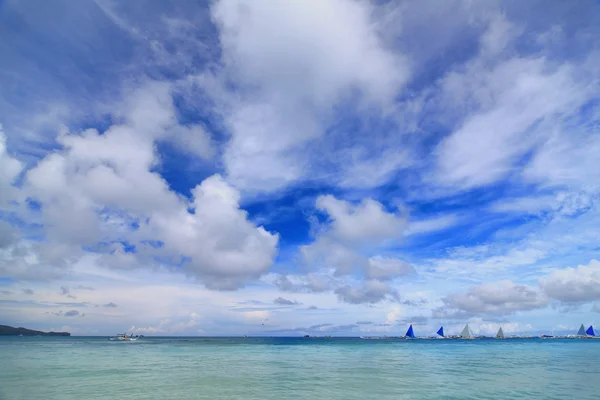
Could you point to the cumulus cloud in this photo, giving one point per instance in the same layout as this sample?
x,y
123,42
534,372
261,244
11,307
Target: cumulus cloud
x,y
371,291
498,298
314,99
596,307
383,268
325,252
365,221
225,248
352,227
573,285
103,187
308,283
285,302
294,91
36,261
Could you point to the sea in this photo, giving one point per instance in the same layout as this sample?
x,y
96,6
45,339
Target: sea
x,y
297,368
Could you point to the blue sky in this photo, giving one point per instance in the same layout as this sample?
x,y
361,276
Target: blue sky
x,y
276,168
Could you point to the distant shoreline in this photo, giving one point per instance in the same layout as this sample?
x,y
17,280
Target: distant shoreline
x,y
6,330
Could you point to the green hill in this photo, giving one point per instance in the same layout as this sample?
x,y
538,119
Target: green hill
x,y
6,330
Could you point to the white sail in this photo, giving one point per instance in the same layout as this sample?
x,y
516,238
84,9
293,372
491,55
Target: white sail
x,y
466,333
500,334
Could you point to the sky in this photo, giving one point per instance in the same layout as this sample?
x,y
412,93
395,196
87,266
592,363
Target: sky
x,y
269,168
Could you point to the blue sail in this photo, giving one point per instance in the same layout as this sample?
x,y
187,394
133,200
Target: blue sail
x,y
590,331
410,333
440,331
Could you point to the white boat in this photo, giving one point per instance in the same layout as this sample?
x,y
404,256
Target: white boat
x,y
466,333
123,337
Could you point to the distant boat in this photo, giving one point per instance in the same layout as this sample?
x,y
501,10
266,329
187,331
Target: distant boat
x,y
123,337
466,333
581,331
374,337
500,334
590,331
440,331
410,332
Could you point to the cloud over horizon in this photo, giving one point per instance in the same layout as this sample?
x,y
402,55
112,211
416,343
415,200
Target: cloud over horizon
x,y
335,161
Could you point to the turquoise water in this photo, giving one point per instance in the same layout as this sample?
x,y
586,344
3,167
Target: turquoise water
x,y
297,368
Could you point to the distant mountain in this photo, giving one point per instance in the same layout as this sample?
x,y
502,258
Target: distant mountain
x,y
6,330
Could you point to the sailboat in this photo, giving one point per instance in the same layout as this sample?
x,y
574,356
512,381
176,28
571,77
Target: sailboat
x,y
590,331
581,331
466,333
410,333
500,334
440,333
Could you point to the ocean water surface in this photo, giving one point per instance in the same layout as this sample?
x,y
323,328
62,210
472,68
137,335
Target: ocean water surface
x,y
297,368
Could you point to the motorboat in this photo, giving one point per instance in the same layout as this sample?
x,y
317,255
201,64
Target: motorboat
x,y
123,337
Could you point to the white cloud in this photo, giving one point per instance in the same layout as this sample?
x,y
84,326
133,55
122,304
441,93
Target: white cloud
x,y
573,285
485,260
499,298
298,93
351,231
8,235
567,157
101,185
433,224
327,253
10,168
285,302
371,291
315,283
366,221
513,104
491,328
563,203
387,268
294,62
226,249
25,260
525,205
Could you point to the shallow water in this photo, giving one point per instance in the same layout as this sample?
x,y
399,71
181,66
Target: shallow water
x,y
297,368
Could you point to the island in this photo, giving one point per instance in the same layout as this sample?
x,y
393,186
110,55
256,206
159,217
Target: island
x,y
6,330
